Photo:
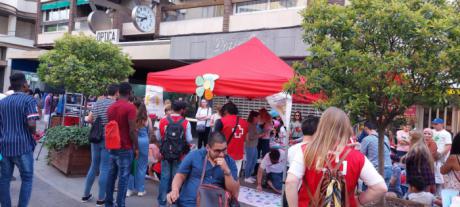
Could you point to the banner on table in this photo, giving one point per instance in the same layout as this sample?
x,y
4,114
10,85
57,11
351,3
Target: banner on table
x,y
154,100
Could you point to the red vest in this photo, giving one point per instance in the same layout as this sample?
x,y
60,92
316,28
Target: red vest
x,y
355,162
236,147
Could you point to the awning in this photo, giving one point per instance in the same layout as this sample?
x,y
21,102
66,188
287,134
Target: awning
x,y
61,4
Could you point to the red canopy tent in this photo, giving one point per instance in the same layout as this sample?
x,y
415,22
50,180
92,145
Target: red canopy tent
x,y
250,70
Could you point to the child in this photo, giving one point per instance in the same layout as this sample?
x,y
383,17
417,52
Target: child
x,y
395,181
417,185
154,156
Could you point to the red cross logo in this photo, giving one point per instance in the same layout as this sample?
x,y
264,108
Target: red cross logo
x,y
238,132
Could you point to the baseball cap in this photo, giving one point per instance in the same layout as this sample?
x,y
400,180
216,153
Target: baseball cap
x,y
438,121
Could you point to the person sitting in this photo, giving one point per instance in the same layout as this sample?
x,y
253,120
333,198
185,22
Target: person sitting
x,y
417,193
220,170
272,164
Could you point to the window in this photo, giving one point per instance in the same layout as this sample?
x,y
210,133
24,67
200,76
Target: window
x,y
2,53
263,5
56,14
194,13
56,27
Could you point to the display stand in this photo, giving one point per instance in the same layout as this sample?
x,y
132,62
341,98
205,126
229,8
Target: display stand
x,y
73,107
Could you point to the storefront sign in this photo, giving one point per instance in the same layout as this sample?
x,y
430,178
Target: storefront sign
x,y
283,42
107,35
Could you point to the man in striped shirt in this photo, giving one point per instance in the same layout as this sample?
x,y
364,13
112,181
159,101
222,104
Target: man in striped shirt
x,y
100,157
18,116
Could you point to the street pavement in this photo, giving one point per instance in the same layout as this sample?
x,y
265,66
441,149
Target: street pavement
x,y
52,188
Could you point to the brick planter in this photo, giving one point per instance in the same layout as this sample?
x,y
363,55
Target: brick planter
x,y
72,160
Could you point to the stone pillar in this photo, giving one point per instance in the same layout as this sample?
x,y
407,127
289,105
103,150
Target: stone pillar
x,y
6,75
12,25
228,10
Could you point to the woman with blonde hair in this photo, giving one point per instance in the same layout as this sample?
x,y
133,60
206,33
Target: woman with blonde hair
x,y
323,154
419,161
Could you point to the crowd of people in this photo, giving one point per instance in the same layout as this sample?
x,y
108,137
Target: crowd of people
x,y
324,159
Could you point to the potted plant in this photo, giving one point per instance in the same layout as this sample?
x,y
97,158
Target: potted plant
x,y
69,149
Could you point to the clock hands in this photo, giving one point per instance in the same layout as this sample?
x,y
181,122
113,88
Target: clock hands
x,y
142,18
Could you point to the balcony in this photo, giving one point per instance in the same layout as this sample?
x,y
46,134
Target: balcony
x,y
267,19
22,5
191,26
48,38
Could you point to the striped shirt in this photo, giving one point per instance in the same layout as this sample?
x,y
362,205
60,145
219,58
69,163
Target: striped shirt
x,y
100,109
15,137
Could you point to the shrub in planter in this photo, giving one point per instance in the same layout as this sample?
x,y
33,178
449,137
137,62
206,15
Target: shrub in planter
x,y
60,137
69,149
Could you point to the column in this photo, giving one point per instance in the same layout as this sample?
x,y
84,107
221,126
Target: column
x,y
228,10
12,25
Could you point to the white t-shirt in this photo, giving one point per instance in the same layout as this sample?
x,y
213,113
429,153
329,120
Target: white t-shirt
x,y
369,174
442,138
422,197
203,112
267,165
294,149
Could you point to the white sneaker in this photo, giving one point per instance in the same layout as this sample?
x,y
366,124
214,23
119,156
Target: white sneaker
x,y
140,194
249,180
130,193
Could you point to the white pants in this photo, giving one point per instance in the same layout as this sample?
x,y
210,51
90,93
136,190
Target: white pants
x,y
238,163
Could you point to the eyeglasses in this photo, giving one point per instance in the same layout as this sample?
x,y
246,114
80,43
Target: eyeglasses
x,y
218,151
297,115
427,133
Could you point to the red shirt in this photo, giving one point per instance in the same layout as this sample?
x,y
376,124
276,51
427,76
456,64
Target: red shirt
x,y
122,112
355,162
236,147
175,117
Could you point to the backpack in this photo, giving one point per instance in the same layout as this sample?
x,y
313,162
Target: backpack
x,y
96,132
174,144
332,188
112,136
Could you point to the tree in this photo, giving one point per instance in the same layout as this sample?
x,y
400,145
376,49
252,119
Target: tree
x,y
376,58
84,65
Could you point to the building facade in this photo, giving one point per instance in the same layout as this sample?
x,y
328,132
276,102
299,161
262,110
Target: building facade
x,y
17,34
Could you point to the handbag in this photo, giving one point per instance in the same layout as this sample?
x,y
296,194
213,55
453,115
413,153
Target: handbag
x,y
202,127
212,195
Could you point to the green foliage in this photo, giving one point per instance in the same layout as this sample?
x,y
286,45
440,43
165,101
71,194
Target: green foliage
x,y
375,58
82,64
61,136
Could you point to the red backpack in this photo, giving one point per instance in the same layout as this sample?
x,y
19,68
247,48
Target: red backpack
x,y
112,136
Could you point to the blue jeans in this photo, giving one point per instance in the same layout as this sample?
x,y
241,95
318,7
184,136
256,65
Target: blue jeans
x,y
251,160
136,182
120,165
276,179
387,172
25,164
263,147
168,170
100,160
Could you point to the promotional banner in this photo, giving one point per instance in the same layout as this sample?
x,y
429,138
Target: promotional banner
x,y
282,103
154,100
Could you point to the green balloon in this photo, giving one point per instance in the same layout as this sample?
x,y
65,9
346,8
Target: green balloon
x,y
200,91
199,80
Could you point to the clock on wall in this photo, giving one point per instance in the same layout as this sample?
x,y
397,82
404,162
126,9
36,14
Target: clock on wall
x,y
143,18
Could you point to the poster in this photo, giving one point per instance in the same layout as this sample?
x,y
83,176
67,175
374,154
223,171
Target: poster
x,y
154,100
282,103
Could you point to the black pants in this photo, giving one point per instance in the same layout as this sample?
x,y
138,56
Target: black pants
x,y
263,147
203,137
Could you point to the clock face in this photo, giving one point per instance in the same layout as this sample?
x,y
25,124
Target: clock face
x,y
143,18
